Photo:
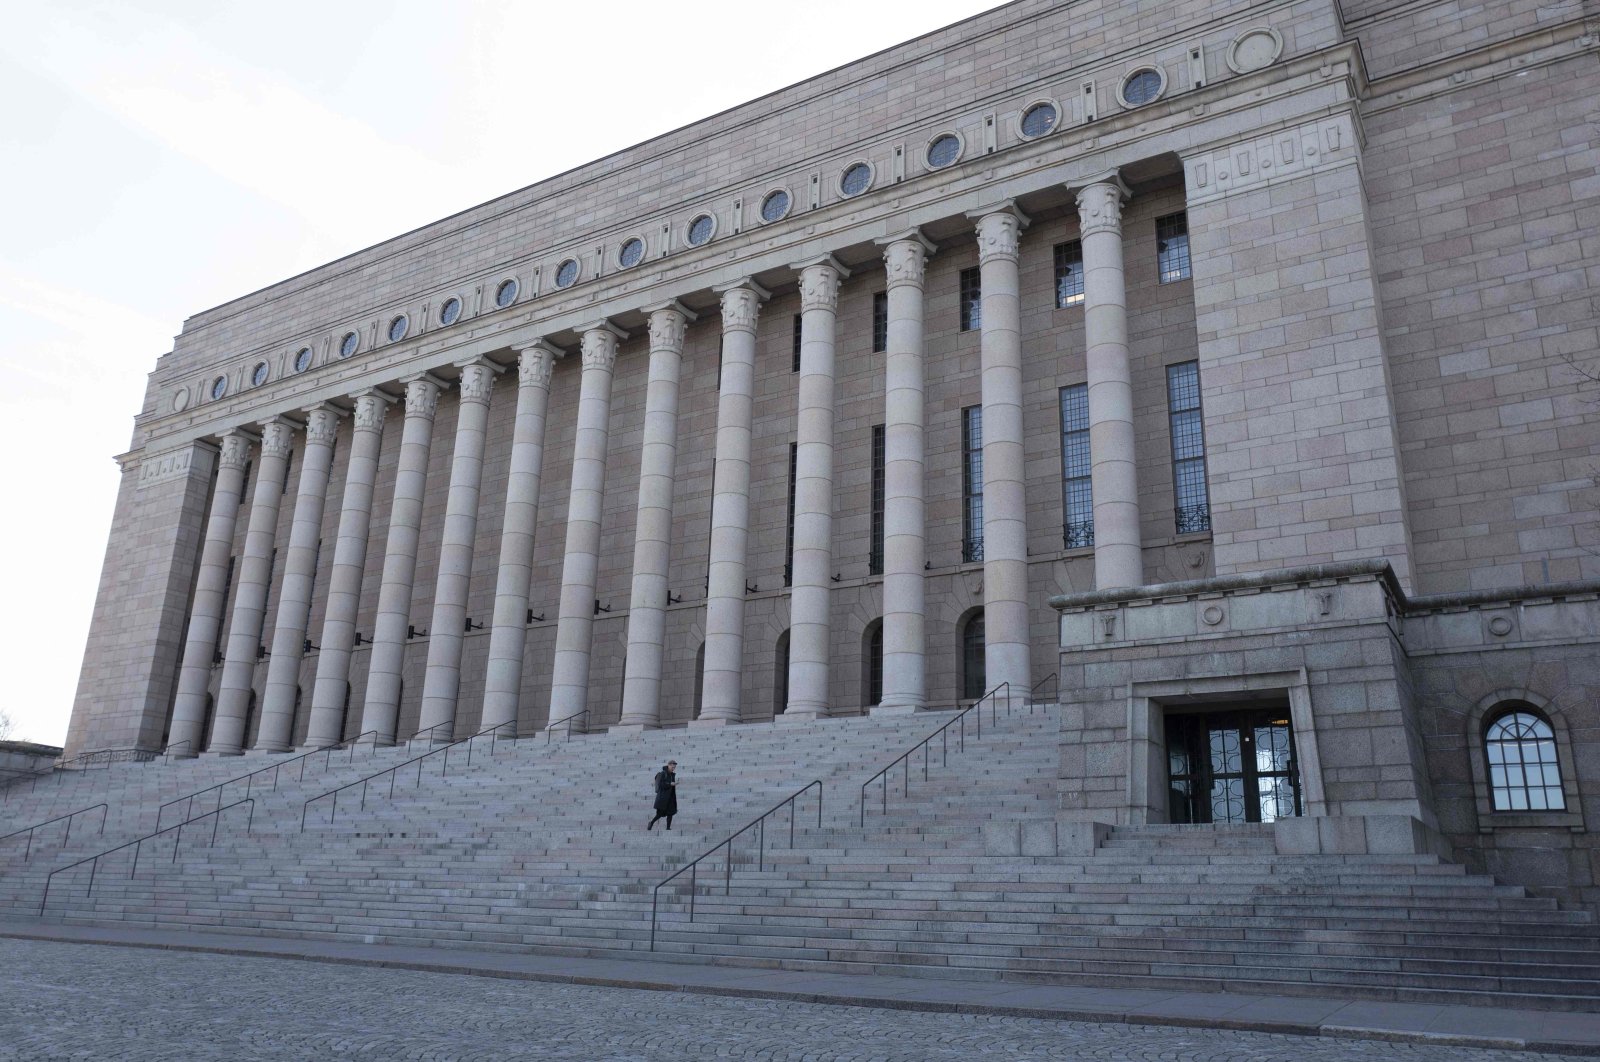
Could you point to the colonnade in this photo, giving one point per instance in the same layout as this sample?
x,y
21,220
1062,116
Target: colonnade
x,y
1005,593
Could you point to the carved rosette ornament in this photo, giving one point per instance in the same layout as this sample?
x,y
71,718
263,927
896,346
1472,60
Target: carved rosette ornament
x,y
422,397
819,288
275,438
739,309
1100,208
477,383
906,262
369,413
322,426
535,366
999,237
667,326
599,349
235,450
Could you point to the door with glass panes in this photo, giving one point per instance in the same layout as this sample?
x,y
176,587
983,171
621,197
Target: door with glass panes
x,y
1231,766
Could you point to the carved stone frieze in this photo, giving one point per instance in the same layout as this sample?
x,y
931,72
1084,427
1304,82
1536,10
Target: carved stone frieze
x,y
1264,160
159,468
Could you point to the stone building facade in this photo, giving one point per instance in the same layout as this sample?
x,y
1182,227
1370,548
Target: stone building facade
x,y
1256,338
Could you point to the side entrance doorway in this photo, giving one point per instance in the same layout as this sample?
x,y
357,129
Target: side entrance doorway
x,y
1236,765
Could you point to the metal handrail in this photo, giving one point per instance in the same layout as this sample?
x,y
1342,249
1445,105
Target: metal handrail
x,y
393,772
138,843
905,757
437,726
727,842
550,728
1054,677
69,816
249,779
166,750
85,761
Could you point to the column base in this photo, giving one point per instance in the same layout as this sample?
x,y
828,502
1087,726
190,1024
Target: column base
x,y
633,730
707,724
906,708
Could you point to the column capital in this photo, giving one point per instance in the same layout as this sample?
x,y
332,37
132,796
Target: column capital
x,y
322,423
370,407
1100,205
741,304
819,282
999,231
236,447
905,256
668,322
536,363
600,345
277,433
422,394
477,379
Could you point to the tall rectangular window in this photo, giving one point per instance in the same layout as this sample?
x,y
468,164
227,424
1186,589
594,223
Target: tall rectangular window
x,y
1188,448
788,539
796,366
227,592
971,299
288,467
244,484
880,322
1077,494
972,483
1069,274
875,548
1172,247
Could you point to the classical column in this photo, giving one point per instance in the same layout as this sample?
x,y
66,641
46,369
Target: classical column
x,y
349,565
446,633
250,599
647,608
569,673
730,508
210,591
1114,480
1005,503
381,711
502,685
809,627
276,732
905,546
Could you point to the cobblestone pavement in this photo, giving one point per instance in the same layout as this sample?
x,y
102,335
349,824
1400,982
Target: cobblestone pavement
x,y
65,1001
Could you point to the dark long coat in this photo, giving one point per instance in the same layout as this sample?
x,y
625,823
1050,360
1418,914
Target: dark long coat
x,y
666,792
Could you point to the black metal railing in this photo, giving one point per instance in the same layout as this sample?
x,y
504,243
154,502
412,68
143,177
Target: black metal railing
x,y
925,746
99,759
137,844
1054,679
759,824
569,721
66,836
493,733
326,752
167,750
430,732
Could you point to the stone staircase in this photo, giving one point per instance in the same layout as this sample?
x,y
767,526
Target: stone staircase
x,y
543,848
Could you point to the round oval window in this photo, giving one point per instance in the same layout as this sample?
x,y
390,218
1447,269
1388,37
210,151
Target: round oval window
x,y
506,293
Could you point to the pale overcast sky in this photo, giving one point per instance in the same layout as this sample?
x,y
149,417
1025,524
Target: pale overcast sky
x,y
159,158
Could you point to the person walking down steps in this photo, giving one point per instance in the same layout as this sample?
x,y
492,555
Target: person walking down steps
x,y
666,794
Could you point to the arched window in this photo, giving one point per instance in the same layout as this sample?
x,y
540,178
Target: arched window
x,y
872,663
780,675
974,682
699,679
1524,774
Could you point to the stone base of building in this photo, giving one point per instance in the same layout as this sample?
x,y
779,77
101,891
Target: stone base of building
x,y
709,724
896,709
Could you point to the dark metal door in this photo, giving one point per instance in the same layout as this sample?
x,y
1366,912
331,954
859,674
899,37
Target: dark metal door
x,y
1235,766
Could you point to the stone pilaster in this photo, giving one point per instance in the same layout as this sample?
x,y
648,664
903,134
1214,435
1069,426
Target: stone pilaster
x,y
1118,558
210,592
509,634
905,546
809,625
647,609
381,711
349,564
730,508
442,682
1005,502
276,732
228,728
569,674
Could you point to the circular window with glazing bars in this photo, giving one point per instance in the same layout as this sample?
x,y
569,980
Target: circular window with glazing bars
x,y
944,150
701,229
631,253
349,344
219,387
302,359
398,328
856,178
775,207
567,273
506,293
450,312
260,373
1039,119
1142,86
